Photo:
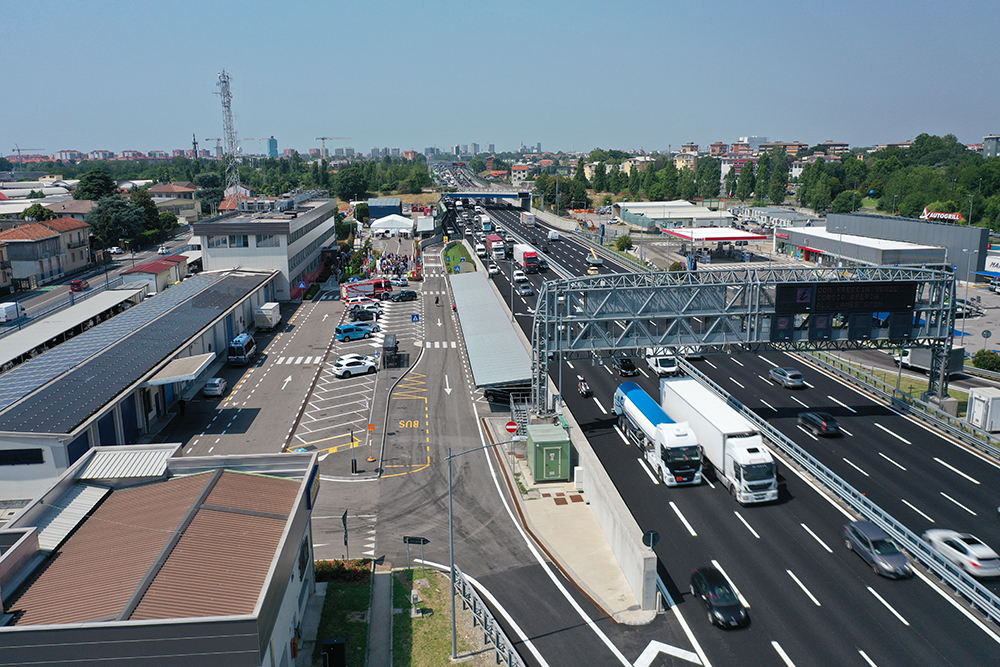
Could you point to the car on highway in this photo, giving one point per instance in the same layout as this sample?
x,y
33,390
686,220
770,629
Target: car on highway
x,y
722,605
662,362
78,285
964,550
349,367
215,387
519,276
525,289
877,549
787,377
493,269
545,248
625,366
403,295
819,423
592,271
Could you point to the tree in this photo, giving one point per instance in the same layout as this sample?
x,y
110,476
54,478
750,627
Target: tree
x,y
623,243
115,219
36,194
361,212
819,194
730,185
210,190
142,200
477,165
578,194
745,185
38,212
6,165
351,183
779,181
686,184
634,181
95,185
762,186
168,221
709,177
846,202
601,177
617,180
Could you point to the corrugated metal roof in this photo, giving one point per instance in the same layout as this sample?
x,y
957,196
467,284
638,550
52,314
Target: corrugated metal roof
x,y
65,514
123,554
496,353
184,369
129,463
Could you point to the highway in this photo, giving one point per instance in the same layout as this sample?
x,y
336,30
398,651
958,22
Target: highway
x,y
812,601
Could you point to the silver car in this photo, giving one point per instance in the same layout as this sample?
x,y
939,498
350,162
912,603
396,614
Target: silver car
x,y
787,377
966,551
877,549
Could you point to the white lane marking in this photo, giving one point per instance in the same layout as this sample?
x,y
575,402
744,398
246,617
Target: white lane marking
x,y
816,537
956,471
735,361
844,430
643,372
912,507
683,520
655,648
645,467
809,385
898,437
848,462
768,361
768,405
299,360
748,526
599,405
958,503
804,589
711,364
801,428
621,435
570,364
280,360
737,384
210,449
820,492
782,654
888,606
891,461
762,377
843,405
870,662
608,369
799,402
736,590
959,606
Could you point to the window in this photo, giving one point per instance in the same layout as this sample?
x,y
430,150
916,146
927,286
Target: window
x,y
20,457
239,241
218,241
268,241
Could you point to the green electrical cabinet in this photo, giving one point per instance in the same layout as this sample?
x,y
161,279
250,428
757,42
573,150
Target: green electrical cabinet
x,y
548,453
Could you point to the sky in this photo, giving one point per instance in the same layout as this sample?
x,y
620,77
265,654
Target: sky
x,y
647,74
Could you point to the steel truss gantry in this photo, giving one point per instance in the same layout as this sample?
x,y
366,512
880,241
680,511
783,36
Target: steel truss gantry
x,y
722,311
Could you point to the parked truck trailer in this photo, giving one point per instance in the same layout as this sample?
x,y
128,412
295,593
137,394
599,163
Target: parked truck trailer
x,y
732,446
267,316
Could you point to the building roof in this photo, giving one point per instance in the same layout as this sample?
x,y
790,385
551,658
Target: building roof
x,y
865,241
180,548
32,231
78,206
713,234
65,224
171,188
386,201
155,266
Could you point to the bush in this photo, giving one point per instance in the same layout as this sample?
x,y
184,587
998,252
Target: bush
x,y
623,243
988,360
357,570
676,266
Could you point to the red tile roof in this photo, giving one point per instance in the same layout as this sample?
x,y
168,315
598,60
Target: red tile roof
x,y
155,266
65,224
168,188
72,206
32,231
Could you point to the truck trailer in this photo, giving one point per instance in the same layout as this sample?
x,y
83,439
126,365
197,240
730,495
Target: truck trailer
x,y
527,219
731,444
267,316
920,358
526,257
670,448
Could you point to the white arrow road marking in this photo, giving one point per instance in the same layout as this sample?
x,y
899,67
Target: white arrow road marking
x,y
655,648
439,321
447,389
287,380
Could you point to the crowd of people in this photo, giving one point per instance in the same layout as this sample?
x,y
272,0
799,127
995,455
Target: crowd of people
x,y
393,264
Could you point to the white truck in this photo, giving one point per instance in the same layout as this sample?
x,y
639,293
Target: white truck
x,y
731,444
10,311
670,448
920,358
527,219
267,316
554,235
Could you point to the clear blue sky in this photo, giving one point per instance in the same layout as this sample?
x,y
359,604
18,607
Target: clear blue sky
x,y
575,75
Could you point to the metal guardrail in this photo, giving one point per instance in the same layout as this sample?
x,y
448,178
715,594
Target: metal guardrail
x,y
984,441
980,372
588,238
977,595
481,615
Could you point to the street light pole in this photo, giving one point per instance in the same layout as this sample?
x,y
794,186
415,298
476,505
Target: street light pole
x,y
965,306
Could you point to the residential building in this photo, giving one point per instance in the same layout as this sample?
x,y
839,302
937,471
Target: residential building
x,y
102,155
690,148
161,154
315,154
186,210
741,147
410,155
465,149
183,190
475,149
130,155
734,161
34,251
521,172
991,145
835,147
338,152
66,156
288,241
289,152
349,152
394,152
455,150
687,161
640,162
74,239
718,148
490,149
792,148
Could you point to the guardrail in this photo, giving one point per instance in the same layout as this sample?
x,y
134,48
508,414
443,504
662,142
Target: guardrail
x,y
984,441
976,594
980,372
588,238
481,615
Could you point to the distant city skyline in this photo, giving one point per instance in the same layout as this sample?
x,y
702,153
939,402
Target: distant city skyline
x,y
648,75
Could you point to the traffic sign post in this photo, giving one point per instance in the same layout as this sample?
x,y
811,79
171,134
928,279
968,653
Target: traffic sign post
x,y
511,427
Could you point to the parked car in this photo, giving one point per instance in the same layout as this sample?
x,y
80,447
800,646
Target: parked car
x,y
115,250
349,367
370,327
820,423
625,366
344,358
787,377
399,281
404,295
966,551
525,289
78,285
371,307
162,250
348,332
359,301
519,276
215,387
362,316
722,605
877,549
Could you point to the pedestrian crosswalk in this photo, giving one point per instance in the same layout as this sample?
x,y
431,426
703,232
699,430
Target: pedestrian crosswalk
x,y
437,344
298,360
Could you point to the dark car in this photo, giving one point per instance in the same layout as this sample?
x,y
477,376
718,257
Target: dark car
x,y
362,316
820,423
545,248
503,393
722,605
877,549
625,366
404,295
543,264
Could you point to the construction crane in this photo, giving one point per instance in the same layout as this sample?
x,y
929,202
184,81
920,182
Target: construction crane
x,y
323,139
19,150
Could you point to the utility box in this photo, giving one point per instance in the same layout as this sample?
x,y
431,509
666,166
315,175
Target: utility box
x,y
984,408
548,453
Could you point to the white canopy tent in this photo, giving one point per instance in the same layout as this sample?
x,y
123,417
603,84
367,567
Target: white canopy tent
x,y
393,224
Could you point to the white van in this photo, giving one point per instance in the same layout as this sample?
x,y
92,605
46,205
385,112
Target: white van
x,y
10,311
480,250
554,235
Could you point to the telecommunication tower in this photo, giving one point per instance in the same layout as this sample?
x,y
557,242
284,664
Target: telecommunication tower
x,y
231,143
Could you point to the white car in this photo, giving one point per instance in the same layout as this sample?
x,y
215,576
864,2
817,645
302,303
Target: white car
x,y
351,357
966,551
349,367
359,301
215,387
115,250
494,269
519,277
162,250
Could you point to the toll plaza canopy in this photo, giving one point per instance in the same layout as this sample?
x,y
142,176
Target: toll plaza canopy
x,y
496,358
712,234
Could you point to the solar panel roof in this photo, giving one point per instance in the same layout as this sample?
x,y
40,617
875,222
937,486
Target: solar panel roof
x,y
60,389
